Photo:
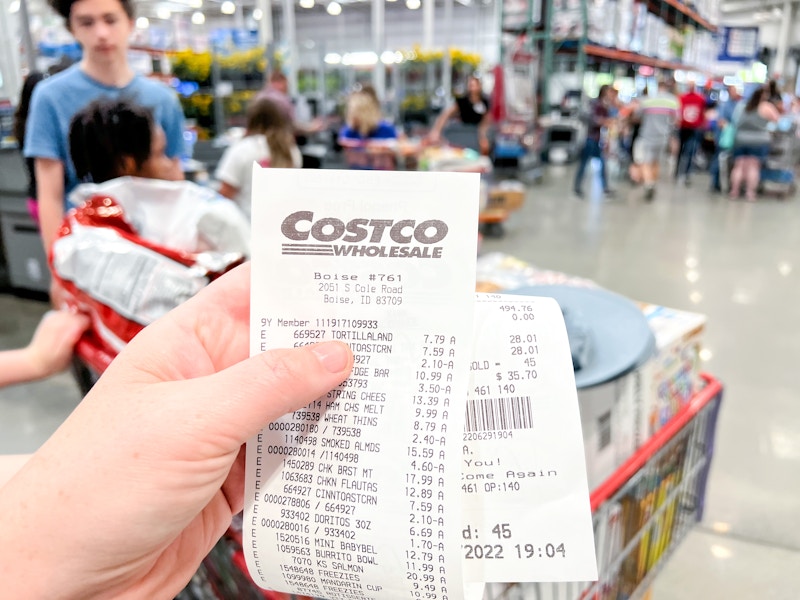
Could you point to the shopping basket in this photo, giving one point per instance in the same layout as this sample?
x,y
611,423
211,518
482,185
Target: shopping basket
x,y
644,510
641,513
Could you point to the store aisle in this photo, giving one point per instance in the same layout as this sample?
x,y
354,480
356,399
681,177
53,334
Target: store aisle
x,y
736,262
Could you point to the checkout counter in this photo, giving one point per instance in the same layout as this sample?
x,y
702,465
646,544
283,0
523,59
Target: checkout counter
x,y
22,252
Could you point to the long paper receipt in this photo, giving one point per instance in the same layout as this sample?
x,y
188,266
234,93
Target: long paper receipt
x,y
452,455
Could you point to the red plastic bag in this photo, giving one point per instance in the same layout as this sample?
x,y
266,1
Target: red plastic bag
x,y
122,280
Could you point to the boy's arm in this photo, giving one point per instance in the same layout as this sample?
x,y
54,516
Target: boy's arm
x,y
50,192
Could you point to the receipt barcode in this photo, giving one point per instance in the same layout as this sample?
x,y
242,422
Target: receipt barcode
x,y
493,414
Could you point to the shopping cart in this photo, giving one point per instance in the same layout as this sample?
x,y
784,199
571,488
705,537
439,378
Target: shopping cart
x,y
371,155
641,515
644,510
777,173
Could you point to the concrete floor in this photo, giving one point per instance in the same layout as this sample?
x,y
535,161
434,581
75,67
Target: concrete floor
x,y
738,263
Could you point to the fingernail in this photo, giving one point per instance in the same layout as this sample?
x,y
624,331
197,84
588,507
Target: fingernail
x,y
333,356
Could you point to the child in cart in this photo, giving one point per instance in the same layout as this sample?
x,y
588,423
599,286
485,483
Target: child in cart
x,y
140,240
115,138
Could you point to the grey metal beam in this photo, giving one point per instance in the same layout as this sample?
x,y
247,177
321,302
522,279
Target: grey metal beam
x,y
729,8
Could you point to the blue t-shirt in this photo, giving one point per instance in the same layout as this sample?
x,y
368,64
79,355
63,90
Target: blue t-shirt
x,y
56,100
384,131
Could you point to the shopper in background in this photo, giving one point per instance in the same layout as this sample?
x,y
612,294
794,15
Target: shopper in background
x,y
115,138
599,120
752,143
471,109
726,130
775,96
277,90
133,490
20,121
48,352
693,123
363,119
268,141
365,133
659,115
630,121
103,29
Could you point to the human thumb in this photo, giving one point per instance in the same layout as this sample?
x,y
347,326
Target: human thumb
x,y
237,402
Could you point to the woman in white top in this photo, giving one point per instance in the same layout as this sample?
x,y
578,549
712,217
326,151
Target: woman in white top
x,y
268,140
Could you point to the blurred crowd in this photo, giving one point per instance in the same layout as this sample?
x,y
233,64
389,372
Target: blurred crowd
x,y
743,136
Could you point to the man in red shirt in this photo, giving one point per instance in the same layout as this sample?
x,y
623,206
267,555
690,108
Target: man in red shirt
x,y
693,123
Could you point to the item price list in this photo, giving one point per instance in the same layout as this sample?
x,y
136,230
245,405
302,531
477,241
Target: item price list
x,y
357,495
523,441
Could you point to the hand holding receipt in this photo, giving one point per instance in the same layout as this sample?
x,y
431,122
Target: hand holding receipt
x,y
379,488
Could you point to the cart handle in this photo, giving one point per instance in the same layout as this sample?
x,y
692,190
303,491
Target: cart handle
x,y
630,467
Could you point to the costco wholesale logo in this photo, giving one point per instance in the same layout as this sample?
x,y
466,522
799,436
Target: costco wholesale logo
x,y
330,236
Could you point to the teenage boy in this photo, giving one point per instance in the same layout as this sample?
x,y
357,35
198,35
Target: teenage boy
x,y
102,28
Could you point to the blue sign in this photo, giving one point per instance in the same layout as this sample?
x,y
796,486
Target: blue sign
x,y
738,44
229,38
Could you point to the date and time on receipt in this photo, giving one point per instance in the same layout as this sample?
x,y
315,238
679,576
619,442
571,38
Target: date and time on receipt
x,y
453,454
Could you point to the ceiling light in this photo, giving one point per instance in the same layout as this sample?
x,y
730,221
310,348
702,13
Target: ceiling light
x,y
198,18
332,58
413,4
360,59
307,3
387,57
13,7
228,7
163,13
196,3
142,23
258,14
334,8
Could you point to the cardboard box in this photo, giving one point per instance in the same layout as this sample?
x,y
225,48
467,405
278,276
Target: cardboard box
x,y
618,417
672,376
607,423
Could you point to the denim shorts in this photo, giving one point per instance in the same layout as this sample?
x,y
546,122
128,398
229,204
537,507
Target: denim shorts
x,y
760,152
